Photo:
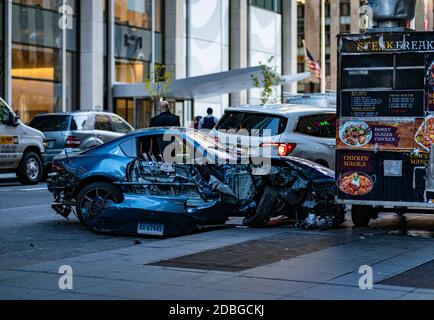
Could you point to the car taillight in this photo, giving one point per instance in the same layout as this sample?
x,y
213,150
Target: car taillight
x,y
72,142
57,168
283,149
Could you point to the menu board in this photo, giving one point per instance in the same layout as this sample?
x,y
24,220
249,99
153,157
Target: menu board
x,y
383,135
382,104
357,178
382,176
429,82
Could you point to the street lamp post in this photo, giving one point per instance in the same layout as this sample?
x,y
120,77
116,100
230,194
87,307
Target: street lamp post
x,y
323,46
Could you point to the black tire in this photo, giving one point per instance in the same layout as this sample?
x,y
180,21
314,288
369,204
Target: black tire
x,y
97,189
264,209
31,169
361,215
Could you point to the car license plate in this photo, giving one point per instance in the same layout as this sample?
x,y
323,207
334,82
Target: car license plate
x,y
150,229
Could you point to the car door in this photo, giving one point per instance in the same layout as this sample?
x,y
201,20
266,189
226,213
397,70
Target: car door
x,y
103,128
316,138
10,137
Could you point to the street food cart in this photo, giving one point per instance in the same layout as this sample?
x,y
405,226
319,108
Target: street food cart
x,y
385,103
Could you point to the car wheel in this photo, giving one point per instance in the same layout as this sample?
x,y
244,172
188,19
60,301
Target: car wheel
x,y
264,209
30,170
361,215
94,192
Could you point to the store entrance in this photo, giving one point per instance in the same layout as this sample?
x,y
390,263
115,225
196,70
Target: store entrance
x,y
137,112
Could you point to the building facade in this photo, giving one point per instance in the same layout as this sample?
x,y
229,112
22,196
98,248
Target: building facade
x,y
66,55
341,16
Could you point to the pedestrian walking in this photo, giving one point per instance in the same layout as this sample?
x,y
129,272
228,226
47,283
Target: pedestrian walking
x,y
165,117
209,121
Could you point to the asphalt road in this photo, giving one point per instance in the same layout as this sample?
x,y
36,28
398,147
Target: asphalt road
x,y
30,231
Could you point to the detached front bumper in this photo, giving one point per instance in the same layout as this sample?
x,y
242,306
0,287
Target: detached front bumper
x,y
170,214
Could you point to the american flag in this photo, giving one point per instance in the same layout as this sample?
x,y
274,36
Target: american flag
x,y
312,65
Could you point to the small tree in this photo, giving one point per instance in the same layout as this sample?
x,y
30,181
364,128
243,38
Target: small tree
x,y
268,82
158,84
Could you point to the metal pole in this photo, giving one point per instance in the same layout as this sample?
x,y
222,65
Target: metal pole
x,y
323,55
110,53
153,40
8,53
64,34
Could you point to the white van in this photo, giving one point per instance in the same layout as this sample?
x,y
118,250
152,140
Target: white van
x,y
21,148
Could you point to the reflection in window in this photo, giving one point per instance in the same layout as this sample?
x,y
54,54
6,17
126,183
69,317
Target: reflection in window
x,y
35,62
36,79
32,97
125,109
131,71
102,122
36,58
133,38
134,13
143,112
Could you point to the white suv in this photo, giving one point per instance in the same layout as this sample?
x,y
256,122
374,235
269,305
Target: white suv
x,y
22,148
302,131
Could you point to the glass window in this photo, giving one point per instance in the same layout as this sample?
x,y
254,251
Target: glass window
x,y
120,125
131,71
103,123
4,112
252,121
345,8
133,38
53,5
134,13
36,80
319,125
271,5
36,58
2,50
125,108
51,123
389,71
80,122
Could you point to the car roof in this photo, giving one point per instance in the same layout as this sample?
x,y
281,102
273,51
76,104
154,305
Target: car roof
x,y
282,109
74,113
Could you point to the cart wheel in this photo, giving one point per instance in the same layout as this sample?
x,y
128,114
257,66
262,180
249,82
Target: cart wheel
x,y
361,215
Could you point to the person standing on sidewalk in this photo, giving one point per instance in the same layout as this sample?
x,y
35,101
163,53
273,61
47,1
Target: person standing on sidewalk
x,y
209,121
165,117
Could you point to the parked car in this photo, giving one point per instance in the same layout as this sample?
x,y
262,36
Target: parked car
x,y
78,131
21,147
128,186
303,131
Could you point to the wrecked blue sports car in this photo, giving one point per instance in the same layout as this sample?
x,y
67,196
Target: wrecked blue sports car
x,y
171,182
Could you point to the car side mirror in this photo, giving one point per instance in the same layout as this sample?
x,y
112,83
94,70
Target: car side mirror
x,y
12,119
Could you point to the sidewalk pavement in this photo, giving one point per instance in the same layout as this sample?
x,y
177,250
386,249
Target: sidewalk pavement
x,y
328,273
